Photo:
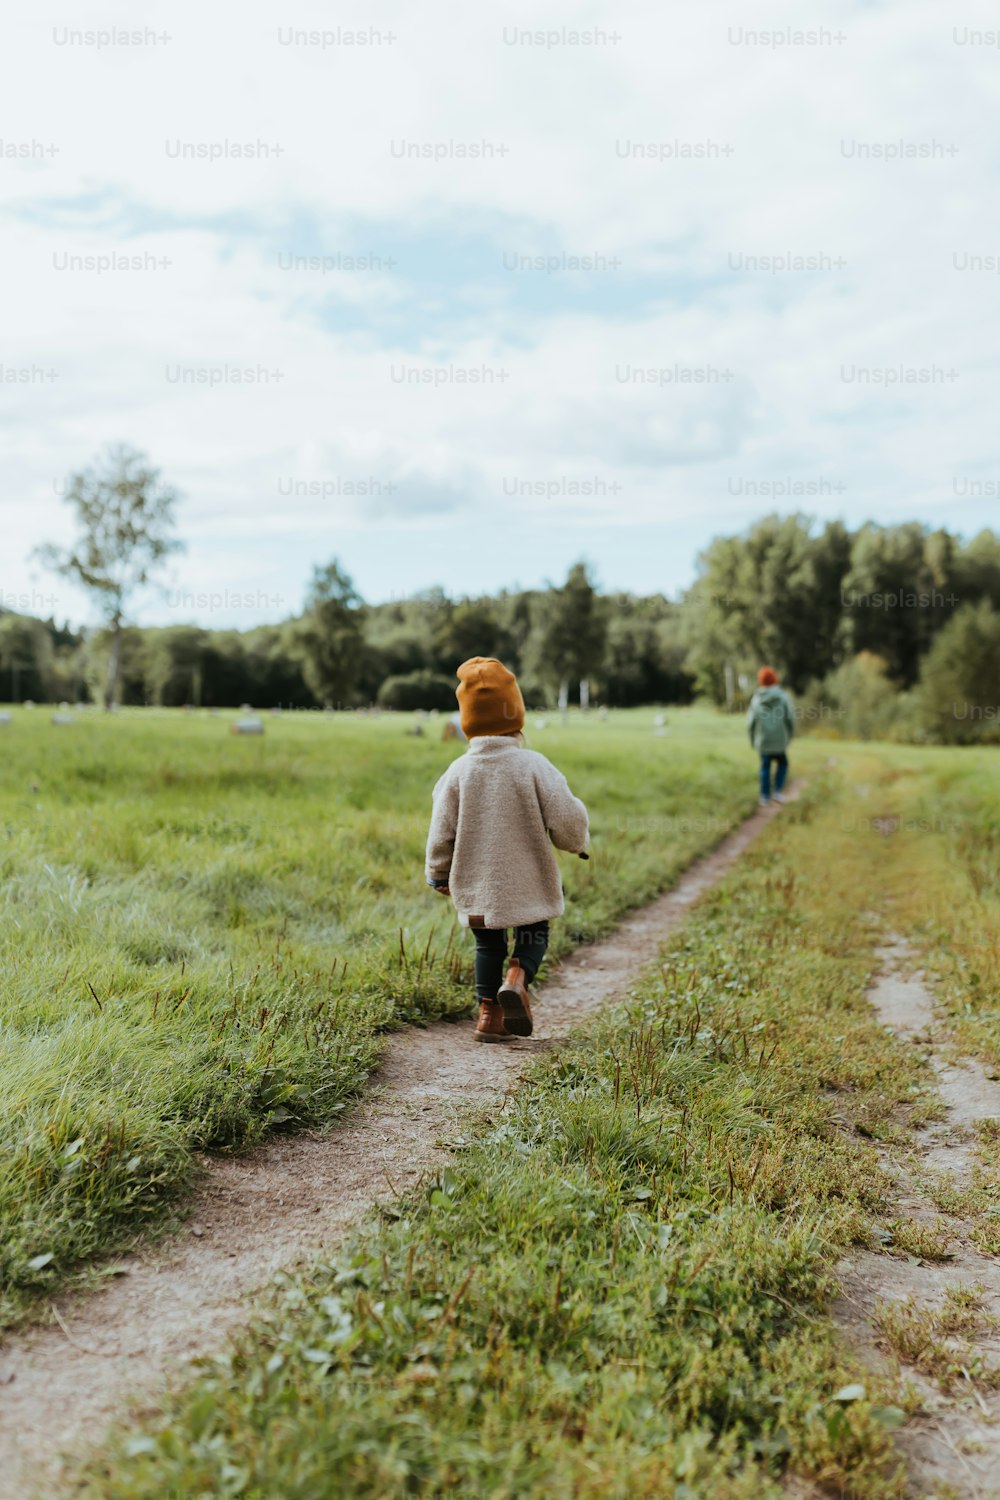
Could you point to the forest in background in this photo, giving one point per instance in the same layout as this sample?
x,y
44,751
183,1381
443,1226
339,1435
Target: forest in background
x,y
889,631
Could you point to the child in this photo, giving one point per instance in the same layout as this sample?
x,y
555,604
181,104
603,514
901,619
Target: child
x,y
771,724
496,808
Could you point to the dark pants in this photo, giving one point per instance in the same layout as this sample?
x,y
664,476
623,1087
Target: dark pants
x,y
530,944
765,774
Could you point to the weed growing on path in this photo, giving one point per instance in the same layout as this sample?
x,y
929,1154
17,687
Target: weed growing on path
x,y
939,1341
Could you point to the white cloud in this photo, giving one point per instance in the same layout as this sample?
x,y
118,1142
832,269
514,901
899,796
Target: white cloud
x,y
569,118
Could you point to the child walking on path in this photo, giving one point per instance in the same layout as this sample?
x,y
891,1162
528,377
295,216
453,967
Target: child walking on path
x,y
771,724
498,809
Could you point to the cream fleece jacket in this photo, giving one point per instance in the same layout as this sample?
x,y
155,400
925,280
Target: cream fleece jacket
x,y
494,811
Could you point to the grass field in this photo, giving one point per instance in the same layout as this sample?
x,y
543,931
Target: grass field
x,y
620,1289
205,935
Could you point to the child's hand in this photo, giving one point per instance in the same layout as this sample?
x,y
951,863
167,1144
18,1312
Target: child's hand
x,y
442,890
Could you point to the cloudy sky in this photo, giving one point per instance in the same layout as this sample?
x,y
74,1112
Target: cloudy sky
x,y
461,294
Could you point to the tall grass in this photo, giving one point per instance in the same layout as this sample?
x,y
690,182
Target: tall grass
x,y
203,936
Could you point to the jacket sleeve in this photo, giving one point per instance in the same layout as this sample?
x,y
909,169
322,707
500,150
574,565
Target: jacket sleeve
x,y
441,835
751,718
565,815
789,717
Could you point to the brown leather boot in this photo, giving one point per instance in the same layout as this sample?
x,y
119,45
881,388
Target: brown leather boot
x,y
490,1026
516,1002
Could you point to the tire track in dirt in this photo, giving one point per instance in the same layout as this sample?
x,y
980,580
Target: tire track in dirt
x,y
252,1215
952,1446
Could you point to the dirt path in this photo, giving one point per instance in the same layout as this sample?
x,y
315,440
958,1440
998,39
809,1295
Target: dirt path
x,y
952,1446
61,1385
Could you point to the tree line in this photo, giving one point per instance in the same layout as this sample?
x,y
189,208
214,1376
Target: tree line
x,y
881,629
341,652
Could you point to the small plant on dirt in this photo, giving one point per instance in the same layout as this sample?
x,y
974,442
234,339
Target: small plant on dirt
x,y
977,1200
923,1241
937,1340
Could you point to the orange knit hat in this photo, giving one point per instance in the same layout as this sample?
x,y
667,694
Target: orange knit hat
x,y
767,676
489,698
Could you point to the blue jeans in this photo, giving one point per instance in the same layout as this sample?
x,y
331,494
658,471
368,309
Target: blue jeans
x,y
765,774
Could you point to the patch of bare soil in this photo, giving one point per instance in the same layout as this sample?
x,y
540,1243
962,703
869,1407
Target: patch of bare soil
x,y
60,1385
952,1446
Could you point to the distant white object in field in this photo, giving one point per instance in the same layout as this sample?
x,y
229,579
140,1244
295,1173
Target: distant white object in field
x,y
63,719
602,714
659,721
247,726
4,717
276,712
246,708
28,703
538,724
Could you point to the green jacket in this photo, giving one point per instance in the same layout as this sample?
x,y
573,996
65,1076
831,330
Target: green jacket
x,y
770,721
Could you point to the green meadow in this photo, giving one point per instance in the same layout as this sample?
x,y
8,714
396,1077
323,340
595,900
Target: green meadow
x,y
206,936
621,1284
620,1287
